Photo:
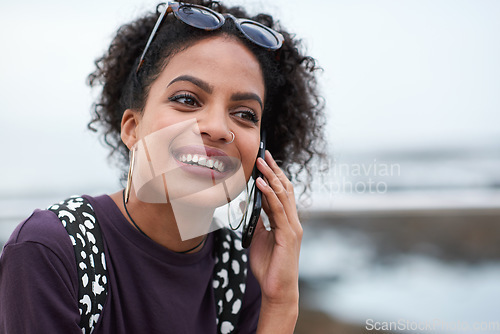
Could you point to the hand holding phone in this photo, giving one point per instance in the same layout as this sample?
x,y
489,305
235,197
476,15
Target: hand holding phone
x,y
249,229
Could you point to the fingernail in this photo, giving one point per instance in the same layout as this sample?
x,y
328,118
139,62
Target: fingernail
x,y
261,182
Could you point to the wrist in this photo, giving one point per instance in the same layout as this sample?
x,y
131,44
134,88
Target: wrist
x,y
286,302
278,318
278,297
289,309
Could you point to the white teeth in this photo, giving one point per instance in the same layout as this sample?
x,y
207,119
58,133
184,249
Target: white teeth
x,y
202,160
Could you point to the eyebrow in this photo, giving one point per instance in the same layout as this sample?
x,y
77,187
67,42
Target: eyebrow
x,y
198,82
247,96
209,89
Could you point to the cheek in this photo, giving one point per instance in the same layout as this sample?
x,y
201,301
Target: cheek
x,y
249,157
160,120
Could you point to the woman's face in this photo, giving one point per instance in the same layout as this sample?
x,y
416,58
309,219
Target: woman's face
x,y
205,92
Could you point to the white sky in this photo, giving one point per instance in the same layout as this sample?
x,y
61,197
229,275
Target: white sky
x,y
399,75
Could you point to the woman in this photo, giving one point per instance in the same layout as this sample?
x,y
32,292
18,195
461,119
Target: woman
x,y
183,83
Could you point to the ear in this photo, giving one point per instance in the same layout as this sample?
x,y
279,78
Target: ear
x,y
130,121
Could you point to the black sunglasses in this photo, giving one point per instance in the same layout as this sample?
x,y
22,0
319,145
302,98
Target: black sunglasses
x,y
202,17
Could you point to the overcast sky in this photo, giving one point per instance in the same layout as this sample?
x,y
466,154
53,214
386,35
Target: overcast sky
x,y
398,75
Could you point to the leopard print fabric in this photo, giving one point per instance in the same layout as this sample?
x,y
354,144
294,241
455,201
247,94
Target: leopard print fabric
x,y
230,274
77,216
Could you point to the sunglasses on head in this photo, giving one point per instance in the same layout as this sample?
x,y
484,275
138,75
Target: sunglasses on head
x,y
202,17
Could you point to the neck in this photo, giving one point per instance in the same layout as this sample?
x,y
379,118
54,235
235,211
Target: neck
x,y
178,227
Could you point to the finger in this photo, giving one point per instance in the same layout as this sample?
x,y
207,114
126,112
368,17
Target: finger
x,y
273,180
273,206
287,199
287,184
285,233
279,172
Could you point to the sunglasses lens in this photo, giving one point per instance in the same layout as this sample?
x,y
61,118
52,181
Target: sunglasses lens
x,y
198,17
260,35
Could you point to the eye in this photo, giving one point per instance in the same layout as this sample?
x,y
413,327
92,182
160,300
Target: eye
x,y
186,99
247,115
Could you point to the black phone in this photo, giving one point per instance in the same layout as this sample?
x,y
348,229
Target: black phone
x,y
249,229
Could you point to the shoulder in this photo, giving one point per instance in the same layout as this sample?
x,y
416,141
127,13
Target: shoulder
x,y
41,227
38,246
38,268
39,239
43,231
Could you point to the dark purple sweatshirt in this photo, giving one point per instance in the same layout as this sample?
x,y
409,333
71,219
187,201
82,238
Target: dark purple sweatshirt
x,y
150,289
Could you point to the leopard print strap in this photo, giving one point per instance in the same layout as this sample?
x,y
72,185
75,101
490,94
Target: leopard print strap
x,y
78,217
229,279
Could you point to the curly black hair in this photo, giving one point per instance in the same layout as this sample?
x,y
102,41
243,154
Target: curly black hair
x,y
293,116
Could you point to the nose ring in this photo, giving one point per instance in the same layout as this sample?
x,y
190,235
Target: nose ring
x,y
233,136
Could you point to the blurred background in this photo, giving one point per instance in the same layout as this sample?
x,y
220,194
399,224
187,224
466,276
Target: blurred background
x,y
405,224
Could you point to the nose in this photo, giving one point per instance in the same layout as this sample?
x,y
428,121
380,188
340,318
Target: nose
x,y
213,125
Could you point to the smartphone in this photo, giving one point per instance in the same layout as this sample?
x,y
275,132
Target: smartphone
x,y
249,229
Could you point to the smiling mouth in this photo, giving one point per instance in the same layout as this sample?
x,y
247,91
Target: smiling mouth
x,y
202,161
205,161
